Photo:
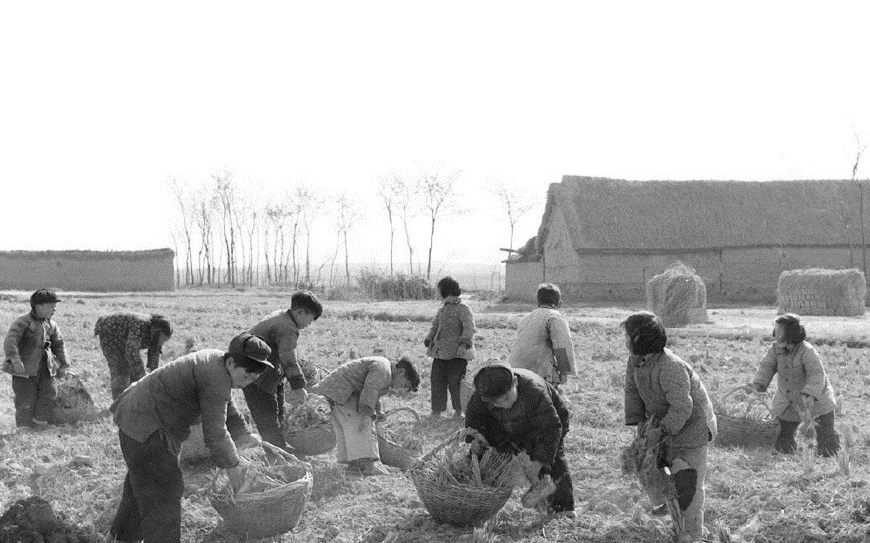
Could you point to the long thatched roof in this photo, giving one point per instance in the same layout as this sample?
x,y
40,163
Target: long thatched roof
x,y
617,215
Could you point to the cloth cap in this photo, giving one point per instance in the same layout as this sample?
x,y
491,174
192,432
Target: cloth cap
x,y
251,347
494,380
43,296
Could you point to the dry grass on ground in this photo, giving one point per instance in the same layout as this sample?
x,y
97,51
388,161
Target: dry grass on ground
x,y
755,496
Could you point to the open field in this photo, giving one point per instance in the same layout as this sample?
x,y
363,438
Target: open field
x,y
756,496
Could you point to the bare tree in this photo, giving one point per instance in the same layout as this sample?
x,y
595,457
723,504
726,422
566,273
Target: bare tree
x,y
187,220
513,204
860,151
226,193
309,203
404,202
437,190
348,214
390,190
204,205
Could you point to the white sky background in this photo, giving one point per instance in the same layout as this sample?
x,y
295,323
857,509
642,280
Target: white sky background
x,y
101,102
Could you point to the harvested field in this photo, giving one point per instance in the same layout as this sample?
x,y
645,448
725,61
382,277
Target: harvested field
x,y
755,495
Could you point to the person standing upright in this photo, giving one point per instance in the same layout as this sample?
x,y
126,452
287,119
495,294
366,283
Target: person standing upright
x,y
450,343
35,354
543,343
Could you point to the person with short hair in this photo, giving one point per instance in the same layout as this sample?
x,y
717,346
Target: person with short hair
x,y
450,343
353,391
154,416
802,383
543,341
35,355
122,336
265,396
516,410
666,400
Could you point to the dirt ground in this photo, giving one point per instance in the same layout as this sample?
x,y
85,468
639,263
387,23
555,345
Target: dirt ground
x,y
752,495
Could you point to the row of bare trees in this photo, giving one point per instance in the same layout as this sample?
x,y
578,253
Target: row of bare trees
x,y
223,236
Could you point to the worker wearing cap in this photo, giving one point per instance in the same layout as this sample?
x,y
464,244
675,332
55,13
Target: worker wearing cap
x,y
515,410
35,354
154,416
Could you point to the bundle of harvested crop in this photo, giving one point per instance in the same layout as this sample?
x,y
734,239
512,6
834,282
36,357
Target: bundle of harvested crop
x,y
645,458
311,412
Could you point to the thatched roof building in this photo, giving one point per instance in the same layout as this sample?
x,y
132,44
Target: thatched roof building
x,y
603,237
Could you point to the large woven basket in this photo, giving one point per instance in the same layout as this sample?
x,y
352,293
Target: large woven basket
x,y
313,440
456,504
395,454
268,513
741,431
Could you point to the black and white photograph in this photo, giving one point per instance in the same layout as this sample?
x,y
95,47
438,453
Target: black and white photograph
x,y
460,272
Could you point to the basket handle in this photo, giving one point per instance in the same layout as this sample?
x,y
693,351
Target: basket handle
x,y
727,396
454,436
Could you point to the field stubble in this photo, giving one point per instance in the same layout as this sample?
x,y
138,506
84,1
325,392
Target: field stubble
x,y
753,495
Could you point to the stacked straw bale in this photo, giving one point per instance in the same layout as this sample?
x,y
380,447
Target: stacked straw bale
x,y
677,296
818,291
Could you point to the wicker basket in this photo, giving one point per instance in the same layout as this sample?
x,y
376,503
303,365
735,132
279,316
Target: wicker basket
x,y
313,440
319,438
456,504
268,513
736,431
394,454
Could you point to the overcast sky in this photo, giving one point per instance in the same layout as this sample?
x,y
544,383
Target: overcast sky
x,y
100,103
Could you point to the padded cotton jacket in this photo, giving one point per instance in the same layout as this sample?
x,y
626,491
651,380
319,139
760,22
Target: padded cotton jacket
x,y
797,371
665,387
536,423
30,339
191,389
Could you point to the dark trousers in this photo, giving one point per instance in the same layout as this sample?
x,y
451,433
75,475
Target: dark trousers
x,y
267,410
447,375
827,438
34,396
563,498
150,507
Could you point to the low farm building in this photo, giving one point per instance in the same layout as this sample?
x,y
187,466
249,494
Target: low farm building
x,y
602,239
99,271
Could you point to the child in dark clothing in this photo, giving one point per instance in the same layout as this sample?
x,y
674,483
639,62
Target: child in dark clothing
x,y
35,354
517,410
450,343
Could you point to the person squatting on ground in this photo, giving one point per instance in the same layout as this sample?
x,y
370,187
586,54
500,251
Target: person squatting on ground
x,y
543,343
122,336
664,394
801,381
265,396
450,343
517,410
35,354
353,391
154,416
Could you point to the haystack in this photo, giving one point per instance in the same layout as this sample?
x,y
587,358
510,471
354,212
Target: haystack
x,y
74,403
677,296
818,291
